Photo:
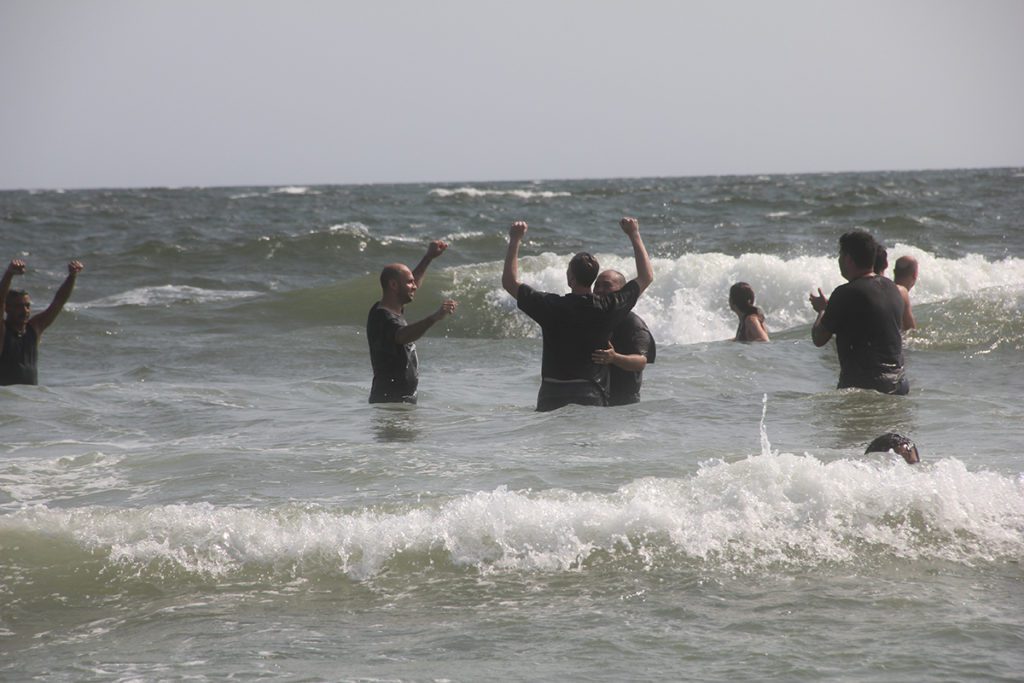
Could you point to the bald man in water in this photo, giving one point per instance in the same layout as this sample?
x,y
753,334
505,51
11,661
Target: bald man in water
x,y
904,274
391,338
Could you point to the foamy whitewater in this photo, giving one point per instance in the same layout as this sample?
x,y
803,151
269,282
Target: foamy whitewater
x,y
199,490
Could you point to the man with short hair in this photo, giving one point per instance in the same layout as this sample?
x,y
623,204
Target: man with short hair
x,y
629,350
904,274
20,331
865,315
575,325
391,338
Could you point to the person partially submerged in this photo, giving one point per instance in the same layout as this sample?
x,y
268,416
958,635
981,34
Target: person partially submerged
x,y
896,443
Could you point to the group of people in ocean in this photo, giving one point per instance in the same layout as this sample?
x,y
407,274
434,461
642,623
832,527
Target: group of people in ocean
x,y
595,349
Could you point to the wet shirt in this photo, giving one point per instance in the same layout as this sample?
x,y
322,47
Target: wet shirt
x,y
395,366
574,326
18,359
866,316
630,337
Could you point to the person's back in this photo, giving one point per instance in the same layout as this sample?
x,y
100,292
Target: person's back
x,y
866,316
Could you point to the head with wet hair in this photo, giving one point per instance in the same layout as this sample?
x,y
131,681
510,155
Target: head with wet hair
x,y
583,270
741,298
860,246
897,443
881,259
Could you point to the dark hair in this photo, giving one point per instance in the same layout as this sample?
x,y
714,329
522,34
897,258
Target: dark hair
x,y
584,269
741,295
881,260
389,274
897,443
859,246
16,294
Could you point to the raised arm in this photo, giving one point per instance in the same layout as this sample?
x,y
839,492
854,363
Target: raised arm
x,y
644,271
45,319
414,331
819,335
434,249
16,267
510,275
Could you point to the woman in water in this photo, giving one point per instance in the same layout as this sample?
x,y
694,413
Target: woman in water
x,y
741,301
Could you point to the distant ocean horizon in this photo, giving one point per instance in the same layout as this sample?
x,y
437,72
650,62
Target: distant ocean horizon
x,y
199,489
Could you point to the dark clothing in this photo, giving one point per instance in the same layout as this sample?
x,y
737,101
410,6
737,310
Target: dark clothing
x,y
18,360
574,326
395,366
554,394
630,337
866,316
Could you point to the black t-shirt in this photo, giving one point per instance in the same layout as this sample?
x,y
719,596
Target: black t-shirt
x,y
630,337
866,316
574,326
18,360
395,366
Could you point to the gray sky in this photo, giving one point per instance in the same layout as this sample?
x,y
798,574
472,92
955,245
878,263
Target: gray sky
x,y
98,93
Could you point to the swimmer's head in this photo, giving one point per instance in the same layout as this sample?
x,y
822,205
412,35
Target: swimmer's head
x,y
905,271
17,306
583,268
860,247
741,298
609,281
881,259
397,279
897,443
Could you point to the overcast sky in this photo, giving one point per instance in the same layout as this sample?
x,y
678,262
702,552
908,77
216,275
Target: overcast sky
x,y
97,93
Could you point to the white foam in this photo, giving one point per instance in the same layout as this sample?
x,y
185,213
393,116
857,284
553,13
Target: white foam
x,y
165,295
688,301
294,190
761,512
475,192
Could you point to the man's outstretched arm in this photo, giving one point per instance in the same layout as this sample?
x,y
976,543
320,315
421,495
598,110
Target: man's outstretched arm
x,y
45,319
434,249
644,270
510,275
413,331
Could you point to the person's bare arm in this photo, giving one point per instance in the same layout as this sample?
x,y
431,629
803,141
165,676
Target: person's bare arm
x,y
909,323
819,335
634,362
510,274
414,331
45,319
644,270
434,249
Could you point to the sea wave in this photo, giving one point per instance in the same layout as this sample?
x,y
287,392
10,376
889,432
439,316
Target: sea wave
x,y
165,295
474,192
764,513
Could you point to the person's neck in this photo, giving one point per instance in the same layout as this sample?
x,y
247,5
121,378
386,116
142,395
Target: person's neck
x,y
576,289
861,274
391,304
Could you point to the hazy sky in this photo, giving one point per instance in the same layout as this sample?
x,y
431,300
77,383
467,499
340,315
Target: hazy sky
x,y
97,93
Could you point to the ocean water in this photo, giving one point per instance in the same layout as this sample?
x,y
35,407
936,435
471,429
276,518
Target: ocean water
x,y
198,489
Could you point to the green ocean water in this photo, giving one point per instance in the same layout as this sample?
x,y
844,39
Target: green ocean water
x,y
199,490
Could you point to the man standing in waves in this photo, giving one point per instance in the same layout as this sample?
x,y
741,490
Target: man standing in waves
x,y
20,330
575,325
391,338
630,349
865,315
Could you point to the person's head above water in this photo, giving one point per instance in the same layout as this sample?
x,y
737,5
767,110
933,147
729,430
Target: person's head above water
x,y
608,282
857,252
897,443
881,260
398,283
905,271
18,307
583,269
741,299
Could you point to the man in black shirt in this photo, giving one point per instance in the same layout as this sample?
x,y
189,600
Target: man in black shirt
x,y
391,338
20,330
866,316
630,349
575,325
